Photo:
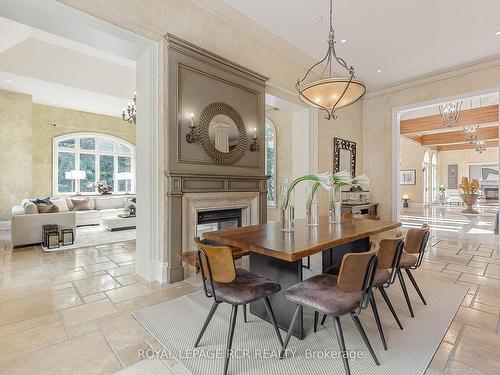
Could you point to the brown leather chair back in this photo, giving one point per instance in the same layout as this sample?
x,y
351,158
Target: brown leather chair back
x,y
350,215
389,252
355,274
416,239
216,262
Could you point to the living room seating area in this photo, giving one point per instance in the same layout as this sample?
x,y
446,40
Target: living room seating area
x,y
27,221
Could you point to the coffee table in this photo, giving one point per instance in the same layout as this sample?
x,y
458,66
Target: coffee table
x,y
112,223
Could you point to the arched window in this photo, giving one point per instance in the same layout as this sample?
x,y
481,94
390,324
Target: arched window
x,y
82,159
270,132
425,172
434,176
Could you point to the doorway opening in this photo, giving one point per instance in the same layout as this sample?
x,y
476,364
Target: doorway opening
x,y
57,21
434,163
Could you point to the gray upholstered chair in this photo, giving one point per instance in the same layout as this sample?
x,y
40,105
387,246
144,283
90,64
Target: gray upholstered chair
x,y
223,282
411,258
347,293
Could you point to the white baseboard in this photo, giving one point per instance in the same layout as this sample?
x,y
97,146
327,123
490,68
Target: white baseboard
x,y
5,225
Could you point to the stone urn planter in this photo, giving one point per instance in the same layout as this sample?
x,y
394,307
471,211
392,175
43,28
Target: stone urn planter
x,y
470,200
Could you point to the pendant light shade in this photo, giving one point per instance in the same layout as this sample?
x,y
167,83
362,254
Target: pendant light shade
x,y
330,93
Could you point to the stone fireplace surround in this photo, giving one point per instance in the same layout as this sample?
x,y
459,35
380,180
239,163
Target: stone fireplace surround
x,y
192,203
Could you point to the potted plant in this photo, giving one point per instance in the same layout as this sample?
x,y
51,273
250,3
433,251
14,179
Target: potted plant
x,y
469,195
441,193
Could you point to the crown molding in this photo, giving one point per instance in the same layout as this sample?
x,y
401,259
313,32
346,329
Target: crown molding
x,y
241,22
444,74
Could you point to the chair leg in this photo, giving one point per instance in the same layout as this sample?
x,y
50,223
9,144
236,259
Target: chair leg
x,y
414,282
377,319
405,292
389,304
245,313
340,339
207,321
234,313
290,329
362,332
270,312
323,320
316,317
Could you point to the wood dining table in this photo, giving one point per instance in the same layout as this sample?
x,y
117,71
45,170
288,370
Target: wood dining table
x,y
278,255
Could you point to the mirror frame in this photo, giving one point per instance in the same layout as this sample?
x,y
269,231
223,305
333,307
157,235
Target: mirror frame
x,y
343,144
206,117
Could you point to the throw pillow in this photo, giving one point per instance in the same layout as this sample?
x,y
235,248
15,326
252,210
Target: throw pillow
x,y
30,208
41,201
69,203
46,208
61,204
80,205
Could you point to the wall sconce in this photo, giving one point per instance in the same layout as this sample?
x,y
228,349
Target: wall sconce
x,y
254,146
192,136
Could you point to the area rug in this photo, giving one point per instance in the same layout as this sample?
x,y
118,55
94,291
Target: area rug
x,y
176,324
96,235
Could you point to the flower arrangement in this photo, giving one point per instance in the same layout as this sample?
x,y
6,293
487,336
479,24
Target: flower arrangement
x,y
327,181
102,187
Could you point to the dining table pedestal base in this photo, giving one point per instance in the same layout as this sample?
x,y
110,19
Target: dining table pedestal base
x,y
287,274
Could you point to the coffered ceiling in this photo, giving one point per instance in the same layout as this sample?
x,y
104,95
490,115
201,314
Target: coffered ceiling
x,y
404,39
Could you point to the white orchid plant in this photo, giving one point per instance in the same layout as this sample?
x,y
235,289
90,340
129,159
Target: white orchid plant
x,y
327,181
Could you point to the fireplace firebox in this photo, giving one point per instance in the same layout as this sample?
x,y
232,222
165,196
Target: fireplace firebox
x,y
209,221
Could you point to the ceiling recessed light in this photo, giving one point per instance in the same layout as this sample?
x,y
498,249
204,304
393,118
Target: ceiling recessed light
x,y
316,18
379,70
8,80
497,33
343,41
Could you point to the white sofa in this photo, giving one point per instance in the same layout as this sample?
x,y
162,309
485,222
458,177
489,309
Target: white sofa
x,y
27,228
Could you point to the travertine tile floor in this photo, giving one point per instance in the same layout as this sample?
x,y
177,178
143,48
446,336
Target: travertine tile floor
x,y
70,312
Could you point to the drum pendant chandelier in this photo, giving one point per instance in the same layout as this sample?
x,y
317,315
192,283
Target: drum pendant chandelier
x,y
330,93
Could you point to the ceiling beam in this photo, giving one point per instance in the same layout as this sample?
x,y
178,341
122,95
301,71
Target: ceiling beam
x,y
464,146
457,137
474,116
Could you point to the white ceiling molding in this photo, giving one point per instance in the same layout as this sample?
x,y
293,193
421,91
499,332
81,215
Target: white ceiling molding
x,y
221,10
457,71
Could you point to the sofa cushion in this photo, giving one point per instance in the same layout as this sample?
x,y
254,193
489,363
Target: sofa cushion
x,y
30,208
88,214
109,212
46,208
109,202
61,204
80,204
41,201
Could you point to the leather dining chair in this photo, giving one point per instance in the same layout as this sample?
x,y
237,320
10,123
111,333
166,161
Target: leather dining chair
x,y
389,254
415,244
347,294
225,283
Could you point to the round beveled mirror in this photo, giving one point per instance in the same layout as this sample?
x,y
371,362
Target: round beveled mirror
x,y
222,133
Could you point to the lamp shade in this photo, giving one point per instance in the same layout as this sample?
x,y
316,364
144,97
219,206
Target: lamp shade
x,y
405,196
335,92
75,175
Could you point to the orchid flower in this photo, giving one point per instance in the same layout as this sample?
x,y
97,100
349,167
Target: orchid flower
x,y
341,179
362,179
322,179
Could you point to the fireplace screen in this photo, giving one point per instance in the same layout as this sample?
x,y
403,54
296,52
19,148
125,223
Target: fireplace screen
x,y
209,221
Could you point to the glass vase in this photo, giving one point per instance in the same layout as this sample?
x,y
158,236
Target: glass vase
x,y
287,208
334,207
312,209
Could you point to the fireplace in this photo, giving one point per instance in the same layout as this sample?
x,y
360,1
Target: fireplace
x,y
212,220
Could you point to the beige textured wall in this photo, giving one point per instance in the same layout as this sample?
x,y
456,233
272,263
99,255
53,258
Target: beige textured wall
x,y
16,162
66,121
26,134
282,120
348,126
377,121
411,156
463,158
